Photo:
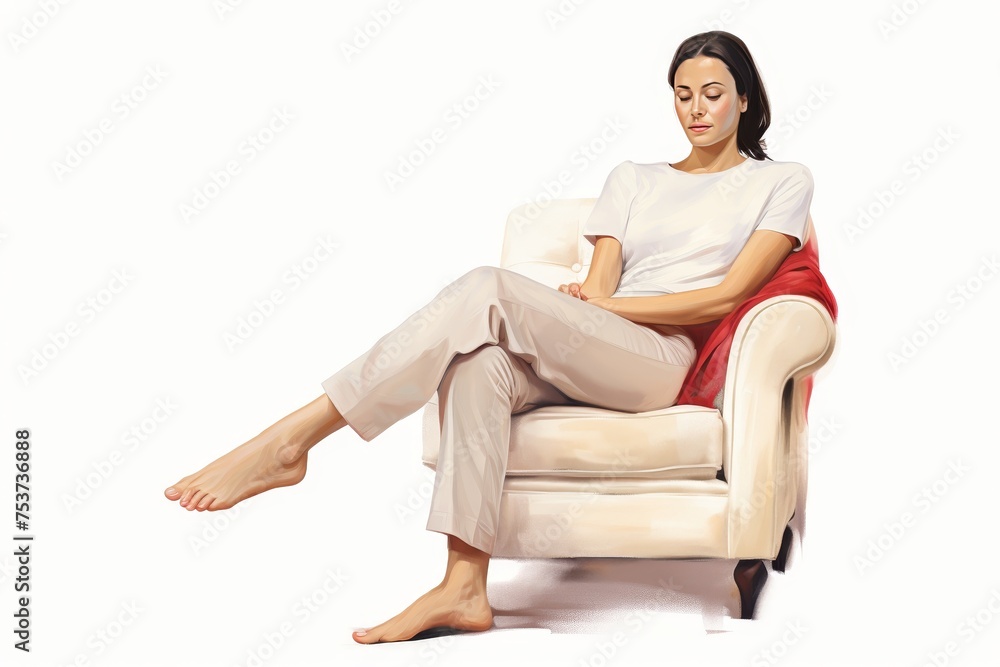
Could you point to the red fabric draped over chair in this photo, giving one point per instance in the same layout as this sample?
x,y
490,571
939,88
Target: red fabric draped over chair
x,y
798,274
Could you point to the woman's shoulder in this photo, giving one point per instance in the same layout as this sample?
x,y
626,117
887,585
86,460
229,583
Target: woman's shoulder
x,y
626,166
780,167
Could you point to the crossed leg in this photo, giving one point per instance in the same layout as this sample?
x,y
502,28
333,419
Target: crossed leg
x,y
478,394
587,354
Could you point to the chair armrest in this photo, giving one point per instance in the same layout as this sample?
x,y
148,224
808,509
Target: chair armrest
x,y
776,346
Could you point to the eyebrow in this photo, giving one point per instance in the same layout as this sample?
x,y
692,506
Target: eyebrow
x,y
710,83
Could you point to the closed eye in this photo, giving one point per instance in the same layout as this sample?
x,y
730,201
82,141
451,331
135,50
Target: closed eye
x,y
711,97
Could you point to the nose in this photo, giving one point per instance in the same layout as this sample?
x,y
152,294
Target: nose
x,y
696,110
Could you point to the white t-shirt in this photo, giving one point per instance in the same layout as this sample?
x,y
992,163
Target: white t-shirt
x,y
682,231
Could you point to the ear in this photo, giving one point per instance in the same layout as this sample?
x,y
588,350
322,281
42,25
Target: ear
x,y
743,103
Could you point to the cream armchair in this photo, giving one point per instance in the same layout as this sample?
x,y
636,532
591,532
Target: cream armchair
x,y
681,482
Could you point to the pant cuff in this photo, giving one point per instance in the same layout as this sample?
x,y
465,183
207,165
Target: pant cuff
x,y
465,528
345,399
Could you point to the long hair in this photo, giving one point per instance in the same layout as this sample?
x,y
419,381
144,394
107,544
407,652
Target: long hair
x,y
731,50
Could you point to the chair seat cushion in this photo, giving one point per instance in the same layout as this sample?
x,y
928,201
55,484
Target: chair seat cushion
x,y
679,442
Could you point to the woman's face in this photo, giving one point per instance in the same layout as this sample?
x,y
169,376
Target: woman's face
x,y
705,96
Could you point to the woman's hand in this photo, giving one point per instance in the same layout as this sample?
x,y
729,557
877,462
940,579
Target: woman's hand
x,y
573,289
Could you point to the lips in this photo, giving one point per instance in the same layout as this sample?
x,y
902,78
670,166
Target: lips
x,y
699,126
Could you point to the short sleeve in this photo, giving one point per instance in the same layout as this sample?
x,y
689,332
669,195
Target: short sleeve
x,y
787,211
609,216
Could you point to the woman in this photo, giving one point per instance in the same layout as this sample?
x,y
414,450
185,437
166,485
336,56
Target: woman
x,y
674,244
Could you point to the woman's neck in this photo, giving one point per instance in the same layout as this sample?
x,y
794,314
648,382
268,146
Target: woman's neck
x,y
709,159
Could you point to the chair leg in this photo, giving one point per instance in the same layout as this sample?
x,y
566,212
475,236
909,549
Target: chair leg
x,y
750,576
778,565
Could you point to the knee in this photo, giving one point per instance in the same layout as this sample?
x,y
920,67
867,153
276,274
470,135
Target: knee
x,y
483,278
488,365
488,361
483,273
473,288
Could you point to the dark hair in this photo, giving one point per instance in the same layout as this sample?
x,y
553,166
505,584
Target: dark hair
x,y
731,50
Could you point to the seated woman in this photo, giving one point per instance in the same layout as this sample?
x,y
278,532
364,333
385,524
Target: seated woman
x,y
675,244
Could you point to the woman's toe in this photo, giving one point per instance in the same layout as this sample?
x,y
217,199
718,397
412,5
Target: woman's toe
x,y
363,637
187,495
195,499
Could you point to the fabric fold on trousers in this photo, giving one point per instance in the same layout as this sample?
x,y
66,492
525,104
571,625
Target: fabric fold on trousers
x,y
492,343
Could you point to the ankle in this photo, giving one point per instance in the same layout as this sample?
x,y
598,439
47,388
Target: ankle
x,y
466,578
289,452
303,429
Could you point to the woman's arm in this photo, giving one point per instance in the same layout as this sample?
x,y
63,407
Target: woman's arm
x,y
754,266
605,268
605,271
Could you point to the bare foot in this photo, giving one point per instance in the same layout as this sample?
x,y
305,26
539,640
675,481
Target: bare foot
x,y
459,606
276,457
262,463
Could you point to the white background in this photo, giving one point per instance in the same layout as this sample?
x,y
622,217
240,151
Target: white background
x,y
867,104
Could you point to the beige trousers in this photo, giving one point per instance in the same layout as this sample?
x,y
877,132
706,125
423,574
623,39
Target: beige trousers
x,y
495,343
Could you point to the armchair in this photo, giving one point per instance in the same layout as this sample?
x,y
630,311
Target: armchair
x,y
682,482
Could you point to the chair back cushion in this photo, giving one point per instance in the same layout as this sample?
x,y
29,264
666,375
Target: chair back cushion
x,y
545,241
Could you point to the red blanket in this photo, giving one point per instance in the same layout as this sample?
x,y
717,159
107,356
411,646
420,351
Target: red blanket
x,y
798,274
